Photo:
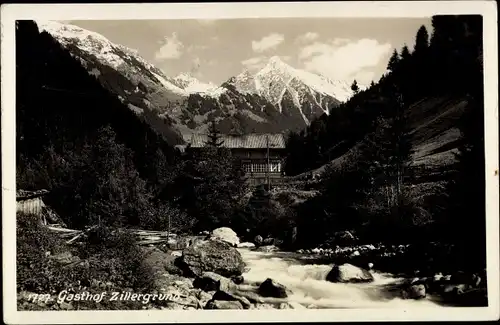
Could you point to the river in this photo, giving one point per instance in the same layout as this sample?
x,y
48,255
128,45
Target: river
x,y
309,288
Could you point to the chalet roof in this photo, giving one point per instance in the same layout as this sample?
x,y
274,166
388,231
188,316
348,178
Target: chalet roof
x,y
247,141
25,195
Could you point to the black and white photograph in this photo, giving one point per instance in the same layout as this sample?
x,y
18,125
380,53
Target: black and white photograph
x,y
250,163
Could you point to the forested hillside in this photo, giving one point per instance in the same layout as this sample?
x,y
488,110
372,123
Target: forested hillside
x,y
102,163
443,67
79,141
408,152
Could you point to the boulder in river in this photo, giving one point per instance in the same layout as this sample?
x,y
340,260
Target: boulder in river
x,y
454,289
232,296
210,281
270,288
246,245
268,249
211,256
346,273
225,234
237,279
355,253
268,241
416,291
258,240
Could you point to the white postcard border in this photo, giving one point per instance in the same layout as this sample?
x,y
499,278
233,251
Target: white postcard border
x,y
399,9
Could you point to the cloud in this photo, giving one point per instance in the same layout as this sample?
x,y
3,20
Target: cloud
x,y
307,37
192,48
171,48
268,42
197,62
340,41
254,63
344,59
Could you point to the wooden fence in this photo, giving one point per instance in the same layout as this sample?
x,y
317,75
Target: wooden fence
x,y
142,237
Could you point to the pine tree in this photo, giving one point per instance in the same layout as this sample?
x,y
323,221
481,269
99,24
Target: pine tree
x,y
355,87
259,213
466,203
385,158
393,61
422,40
209,187
214,137
295,158
405,53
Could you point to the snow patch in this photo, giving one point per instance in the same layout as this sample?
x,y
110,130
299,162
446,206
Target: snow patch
x,y
170,86
192,85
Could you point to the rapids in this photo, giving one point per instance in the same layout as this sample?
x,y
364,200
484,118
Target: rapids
x,y
310,289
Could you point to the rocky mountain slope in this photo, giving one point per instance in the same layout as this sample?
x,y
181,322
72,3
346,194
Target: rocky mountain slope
x,y
278,98
292,89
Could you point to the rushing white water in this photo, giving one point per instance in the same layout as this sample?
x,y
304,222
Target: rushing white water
x,y
310,289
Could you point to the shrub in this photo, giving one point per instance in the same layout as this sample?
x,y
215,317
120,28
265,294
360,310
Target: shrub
x,y
109,261
209,187
113,256
263,216
36,272
166,217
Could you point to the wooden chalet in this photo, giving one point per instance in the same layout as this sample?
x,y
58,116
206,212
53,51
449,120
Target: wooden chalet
x,y
261,155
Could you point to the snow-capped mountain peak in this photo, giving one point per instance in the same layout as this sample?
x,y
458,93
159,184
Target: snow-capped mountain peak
x,y
281,84
92,41
113,55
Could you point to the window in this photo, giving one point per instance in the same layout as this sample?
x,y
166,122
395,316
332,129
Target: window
x,y
247,168
274,167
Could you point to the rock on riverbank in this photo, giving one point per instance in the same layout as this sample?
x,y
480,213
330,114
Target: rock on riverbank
x,y
211,256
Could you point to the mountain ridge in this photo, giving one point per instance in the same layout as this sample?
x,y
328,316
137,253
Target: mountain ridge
x,y
185,105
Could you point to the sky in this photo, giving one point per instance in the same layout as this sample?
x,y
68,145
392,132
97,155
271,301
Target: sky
x,y
215,50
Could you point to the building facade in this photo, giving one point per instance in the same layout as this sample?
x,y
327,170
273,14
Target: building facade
x,y
261,155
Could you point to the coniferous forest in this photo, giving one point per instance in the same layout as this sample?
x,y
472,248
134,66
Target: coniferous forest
x,y
380,121
355,175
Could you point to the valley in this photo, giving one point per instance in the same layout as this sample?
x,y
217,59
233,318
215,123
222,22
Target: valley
x,y
144,181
